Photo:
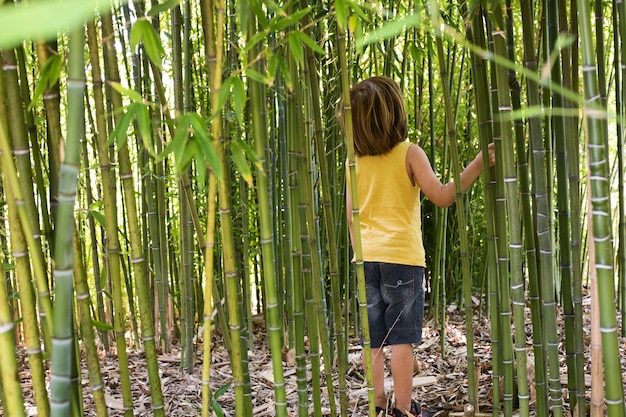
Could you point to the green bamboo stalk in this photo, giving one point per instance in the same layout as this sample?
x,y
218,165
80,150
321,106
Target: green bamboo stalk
x,y
301,268
273,317
476,35
12,396
52,105
215,52
209,262
595,121
329,221
538,187
349,139
21,152
21,240
620,103
95,245
515,288
137,259
558,123
86,329
63,353
467,283
38,165
110,204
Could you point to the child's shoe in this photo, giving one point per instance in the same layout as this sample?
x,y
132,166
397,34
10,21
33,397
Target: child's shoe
x,y
416,411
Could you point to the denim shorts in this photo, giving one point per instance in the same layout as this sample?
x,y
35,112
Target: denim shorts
x,y
395,303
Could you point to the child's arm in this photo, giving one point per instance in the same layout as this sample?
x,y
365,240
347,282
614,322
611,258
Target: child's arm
x,y
421,172
349,207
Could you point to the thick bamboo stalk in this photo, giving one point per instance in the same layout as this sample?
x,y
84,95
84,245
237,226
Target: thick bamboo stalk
x,y
538,187
213,11
270,278
18,221
83,300
63,354
12,396
467,282
21,151
595,118
347,114
108,178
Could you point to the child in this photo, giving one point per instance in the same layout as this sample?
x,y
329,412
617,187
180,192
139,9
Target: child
x,y
390,174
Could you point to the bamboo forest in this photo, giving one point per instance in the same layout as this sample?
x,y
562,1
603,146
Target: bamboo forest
x,y
173,229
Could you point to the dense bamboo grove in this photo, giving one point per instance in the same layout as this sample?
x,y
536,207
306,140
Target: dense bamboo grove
x,y
174,169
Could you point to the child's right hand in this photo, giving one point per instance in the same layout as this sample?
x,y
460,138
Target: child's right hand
x,y
491,151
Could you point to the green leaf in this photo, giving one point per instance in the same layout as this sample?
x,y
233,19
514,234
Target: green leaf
x,y
243,13
221,390
239,158
101,326
239,98
251,154
342,13
152,45
8,266
260,14
392,28
133,95
44,20
136,33
49,76
121,128
295,47
163,7
284,22
98,217
224,93
257,76
205,145
306,39
143,124
143,30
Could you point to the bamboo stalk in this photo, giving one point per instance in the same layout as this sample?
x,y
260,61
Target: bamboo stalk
x,y
63,354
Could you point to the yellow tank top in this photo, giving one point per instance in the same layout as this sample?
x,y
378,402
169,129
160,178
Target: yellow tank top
x,y
391,225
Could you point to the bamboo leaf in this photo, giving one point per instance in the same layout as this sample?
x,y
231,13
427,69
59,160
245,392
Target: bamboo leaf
x,y
101,325
341,12
163,7
49,76
239,98
205,145
224,93
143,124
258,37
136,32
285,22
243,12
151,41
98,217
257,76
239,158
133,95
306,39
295,47
392,28
260,14
121,128
44,20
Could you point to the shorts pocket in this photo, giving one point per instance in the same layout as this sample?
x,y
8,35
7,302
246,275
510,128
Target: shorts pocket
x,y
399,284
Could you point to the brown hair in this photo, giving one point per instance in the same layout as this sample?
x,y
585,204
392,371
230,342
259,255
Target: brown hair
x,y
378,116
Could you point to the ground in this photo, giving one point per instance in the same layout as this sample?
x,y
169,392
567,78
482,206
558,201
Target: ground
x,y
440,379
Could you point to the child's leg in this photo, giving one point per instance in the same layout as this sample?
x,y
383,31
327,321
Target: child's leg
x,y
402,373
378,369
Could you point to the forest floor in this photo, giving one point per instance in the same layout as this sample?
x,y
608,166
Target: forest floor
x,y
440,380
